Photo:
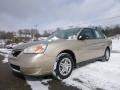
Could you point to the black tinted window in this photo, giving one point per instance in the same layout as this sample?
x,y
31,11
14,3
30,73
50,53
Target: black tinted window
x,y
87,32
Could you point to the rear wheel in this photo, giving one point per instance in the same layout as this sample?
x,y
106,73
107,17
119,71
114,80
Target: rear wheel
x,y
106,55
63,66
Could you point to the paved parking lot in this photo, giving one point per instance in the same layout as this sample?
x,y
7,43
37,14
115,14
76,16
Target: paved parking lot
x,y
10,82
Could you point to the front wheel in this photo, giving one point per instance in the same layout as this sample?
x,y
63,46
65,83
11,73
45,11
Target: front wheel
x,y
63,66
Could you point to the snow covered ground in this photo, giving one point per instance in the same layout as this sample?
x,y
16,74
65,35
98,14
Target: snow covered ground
x,y
5,52
94,76
116,44
104,75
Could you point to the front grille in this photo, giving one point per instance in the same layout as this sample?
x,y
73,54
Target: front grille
x,y
15,67
15,53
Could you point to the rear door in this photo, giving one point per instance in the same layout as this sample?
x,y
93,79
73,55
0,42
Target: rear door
x,y
100,42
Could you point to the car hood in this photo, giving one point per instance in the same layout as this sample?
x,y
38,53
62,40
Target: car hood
x,y
25,45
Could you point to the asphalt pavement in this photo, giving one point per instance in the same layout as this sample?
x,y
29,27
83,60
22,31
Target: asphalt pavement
x,y
10,81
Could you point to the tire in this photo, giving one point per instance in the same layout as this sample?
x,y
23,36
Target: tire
x,y
63,66
106,55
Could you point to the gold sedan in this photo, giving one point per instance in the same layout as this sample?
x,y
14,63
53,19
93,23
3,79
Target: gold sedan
x,y
60,53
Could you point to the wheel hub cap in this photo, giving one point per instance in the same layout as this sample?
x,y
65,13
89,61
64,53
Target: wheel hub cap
x,y
65,66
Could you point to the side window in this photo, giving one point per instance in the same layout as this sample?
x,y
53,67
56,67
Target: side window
x,y
99,34
87,32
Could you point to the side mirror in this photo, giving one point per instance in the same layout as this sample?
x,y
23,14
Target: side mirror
x,y
83,37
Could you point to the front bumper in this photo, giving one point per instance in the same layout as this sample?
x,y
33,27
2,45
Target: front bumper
x,y
32,64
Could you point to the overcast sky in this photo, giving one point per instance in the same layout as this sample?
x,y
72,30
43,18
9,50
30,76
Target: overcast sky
x,y
48,14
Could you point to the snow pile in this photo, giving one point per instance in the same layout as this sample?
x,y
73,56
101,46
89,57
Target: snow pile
x,y
37,84
5,52
11,46
5,60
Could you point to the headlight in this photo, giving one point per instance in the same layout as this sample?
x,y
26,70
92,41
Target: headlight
x,y
40,48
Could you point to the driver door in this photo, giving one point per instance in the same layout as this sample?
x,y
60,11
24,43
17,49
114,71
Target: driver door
x,y
87,39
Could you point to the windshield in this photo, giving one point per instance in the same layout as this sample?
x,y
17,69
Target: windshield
x,y
65,34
